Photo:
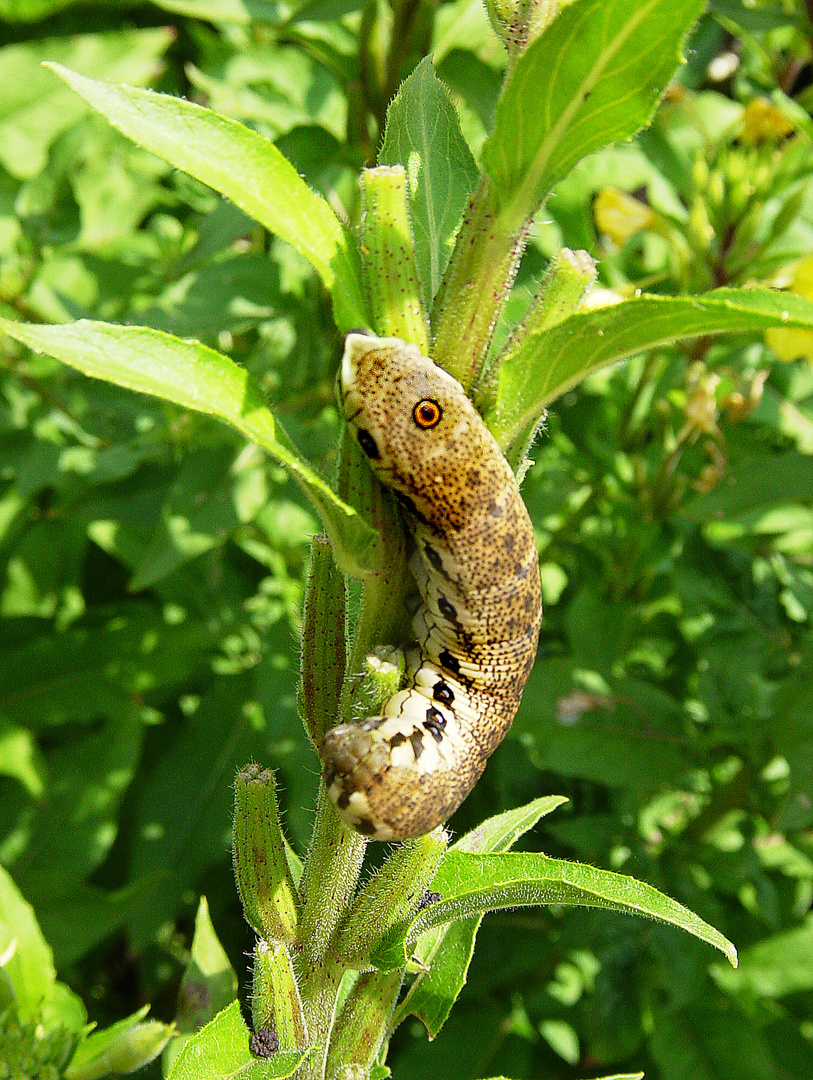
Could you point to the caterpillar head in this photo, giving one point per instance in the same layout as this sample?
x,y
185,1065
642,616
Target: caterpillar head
x,y
412,419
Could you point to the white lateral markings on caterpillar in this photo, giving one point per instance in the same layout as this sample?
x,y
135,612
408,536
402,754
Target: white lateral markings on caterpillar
x,y
403,773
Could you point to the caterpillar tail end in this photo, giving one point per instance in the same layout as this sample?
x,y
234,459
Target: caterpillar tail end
x,y
349,758
381,798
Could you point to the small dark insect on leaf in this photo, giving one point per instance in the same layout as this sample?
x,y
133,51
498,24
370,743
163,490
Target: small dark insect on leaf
x,y
429,897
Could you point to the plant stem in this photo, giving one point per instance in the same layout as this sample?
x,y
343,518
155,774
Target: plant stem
x,y
474,288
327,888
362,1022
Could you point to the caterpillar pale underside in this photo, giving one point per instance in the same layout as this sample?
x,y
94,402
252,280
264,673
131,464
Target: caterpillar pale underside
x,y
401,774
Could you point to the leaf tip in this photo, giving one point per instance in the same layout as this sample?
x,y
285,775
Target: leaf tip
x,y
72,78
58,69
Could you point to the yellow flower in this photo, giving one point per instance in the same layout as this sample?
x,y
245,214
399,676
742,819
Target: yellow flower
x,y
763,122
621,216
792,344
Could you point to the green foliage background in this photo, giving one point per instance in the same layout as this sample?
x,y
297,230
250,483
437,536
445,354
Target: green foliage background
x,y
151,563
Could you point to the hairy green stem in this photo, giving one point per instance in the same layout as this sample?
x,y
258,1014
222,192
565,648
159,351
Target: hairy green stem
x,y
388,257
361,1025
475,287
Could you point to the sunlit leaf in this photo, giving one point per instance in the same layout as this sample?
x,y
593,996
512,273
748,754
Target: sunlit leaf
x,y
471,884
593,77
242,165
196,377
548,364
221,1052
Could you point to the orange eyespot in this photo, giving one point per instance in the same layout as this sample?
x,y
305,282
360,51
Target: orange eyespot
x,y
427,413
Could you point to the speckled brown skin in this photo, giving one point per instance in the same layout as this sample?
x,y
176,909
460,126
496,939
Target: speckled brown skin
x,y
403,773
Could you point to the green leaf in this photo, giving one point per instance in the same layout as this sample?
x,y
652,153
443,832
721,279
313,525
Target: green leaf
x,y
75,823
501,832
423,134
209,984
756,481
227,11
245,167
20,758
446,951
98,666
622,1076
777,965
593,77
122,1048
208,962
621,752
34,109
200,512
196,377
546,365
764,17
64,1011
181,816
80,919
473,884
708,1043
27,975
615,1076
220,1051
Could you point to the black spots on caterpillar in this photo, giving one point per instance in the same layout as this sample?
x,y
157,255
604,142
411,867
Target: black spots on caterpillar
x,y
436,562
434,723
433,558
409,505
447,609
436,717
342,800
443,693
367,444
365,826
416,738
397,739
450,662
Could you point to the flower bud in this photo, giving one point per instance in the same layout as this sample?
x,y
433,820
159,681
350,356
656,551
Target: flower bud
x,y
276,1008
260,863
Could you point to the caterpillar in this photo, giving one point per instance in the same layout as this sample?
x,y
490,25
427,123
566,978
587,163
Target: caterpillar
x,y
401,774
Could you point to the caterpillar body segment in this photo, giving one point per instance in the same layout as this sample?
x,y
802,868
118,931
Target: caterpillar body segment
x,y
402,773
